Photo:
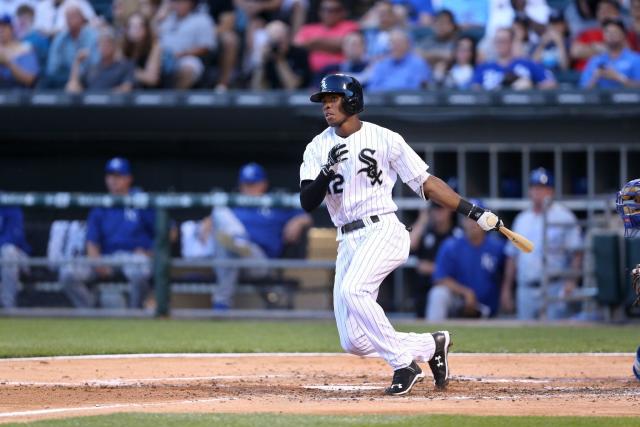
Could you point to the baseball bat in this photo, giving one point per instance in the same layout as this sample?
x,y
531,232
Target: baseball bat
x,y
518,240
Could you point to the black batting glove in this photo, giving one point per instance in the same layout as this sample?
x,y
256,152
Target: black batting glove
x,y
336,155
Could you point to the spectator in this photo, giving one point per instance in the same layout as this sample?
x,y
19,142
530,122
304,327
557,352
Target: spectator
x,y
634,34
189,35
18,62
437,50
402,70
282,66
617,67
121,10
51,15
522,40
355,62
510,72
459,73
467,275
591,42
223,14
432,227
111,72
503,13
469,14
10,7
155,11
552,52
66,45
419,12
26,33
292,12
384,18
253,233
123,235
562,252
324,40
141,47
13,250
581,16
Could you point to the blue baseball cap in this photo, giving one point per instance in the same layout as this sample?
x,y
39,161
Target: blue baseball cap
x,y
251,173
541,176
118,165
5,19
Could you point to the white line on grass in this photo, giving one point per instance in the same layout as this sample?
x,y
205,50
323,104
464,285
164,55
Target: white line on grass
x,y
105,406
242,355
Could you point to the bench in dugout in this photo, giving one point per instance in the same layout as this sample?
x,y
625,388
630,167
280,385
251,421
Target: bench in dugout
x,y
66,242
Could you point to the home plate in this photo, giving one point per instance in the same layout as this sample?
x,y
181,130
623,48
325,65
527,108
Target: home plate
x,y
343,387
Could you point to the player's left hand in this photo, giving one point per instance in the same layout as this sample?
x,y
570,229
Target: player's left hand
x,y
489,221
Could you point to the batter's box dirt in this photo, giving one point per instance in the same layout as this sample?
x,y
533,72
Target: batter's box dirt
x,y
504,384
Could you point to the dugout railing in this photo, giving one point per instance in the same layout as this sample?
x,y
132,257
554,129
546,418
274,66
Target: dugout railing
x,y
163,262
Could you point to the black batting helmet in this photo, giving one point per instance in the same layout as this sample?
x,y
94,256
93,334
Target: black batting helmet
x,y
347,86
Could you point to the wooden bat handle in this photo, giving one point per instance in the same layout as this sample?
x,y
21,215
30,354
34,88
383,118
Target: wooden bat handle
x,y
518,240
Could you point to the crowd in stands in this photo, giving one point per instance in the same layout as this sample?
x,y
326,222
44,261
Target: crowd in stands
x,y
78,45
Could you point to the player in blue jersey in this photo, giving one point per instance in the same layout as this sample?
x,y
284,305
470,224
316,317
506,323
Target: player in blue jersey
x,y
472,291
13,249
252,232
121,234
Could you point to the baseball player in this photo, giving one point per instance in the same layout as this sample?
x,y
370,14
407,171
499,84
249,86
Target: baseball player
x,y
352,166
628,206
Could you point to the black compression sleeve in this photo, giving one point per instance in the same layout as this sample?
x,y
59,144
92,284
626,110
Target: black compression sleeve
x,y
312,192
469,210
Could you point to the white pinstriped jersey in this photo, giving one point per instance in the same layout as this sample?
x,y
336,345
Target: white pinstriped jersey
x,y
364,182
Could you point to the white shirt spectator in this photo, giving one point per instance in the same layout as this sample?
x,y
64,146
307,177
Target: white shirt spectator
x,y
196,30
50,19
561,241
501,14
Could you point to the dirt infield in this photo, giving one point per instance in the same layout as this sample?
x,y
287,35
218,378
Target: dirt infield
x,y
487,384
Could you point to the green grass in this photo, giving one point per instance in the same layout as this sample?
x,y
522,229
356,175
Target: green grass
x,y
48,337
272,420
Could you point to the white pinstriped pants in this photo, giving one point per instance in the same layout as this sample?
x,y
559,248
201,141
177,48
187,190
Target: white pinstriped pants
x,y
365,257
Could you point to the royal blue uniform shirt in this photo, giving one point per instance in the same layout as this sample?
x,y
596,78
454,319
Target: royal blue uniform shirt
x,y
490,75
476,267
121,229
12,228
265,225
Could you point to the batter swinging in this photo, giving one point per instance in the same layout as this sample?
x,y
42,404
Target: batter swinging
x,y
353,166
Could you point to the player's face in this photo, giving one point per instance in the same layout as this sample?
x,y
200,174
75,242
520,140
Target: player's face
x,y
118,184
332,109
6,34
539,193
254,189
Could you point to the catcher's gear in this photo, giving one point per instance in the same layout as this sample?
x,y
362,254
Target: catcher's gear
x,y
628,206
635,283
347,86
336,155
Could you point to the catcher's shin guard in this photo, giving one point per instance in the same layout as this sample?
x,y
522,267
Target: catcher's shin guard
x,y
636,365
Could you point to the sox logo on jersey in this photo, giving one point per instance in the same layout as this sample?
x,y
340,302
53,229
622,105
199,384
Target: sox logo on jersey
x,y
372,165
362,187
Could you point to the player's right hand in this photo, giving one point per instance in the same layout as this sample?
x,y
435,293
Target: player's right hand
x,y
336,155
489,221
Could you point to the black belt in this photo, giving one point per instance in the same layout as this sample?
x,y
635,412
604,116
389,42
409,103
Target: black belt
x,y
358,224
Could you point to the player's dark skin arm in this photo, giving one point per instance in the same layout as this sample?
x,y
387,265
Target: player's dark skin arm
x,y
437,190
